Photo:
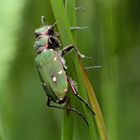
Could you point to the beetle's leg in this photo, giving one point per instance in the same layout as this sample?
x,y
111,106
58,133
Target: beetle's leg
x,y
92,67
68,48
57,34
53,42
68,109
78,28
77,95
80,8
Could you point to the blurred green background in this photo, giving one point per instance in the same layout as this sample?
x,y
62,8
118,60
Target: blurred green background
x,y
113,40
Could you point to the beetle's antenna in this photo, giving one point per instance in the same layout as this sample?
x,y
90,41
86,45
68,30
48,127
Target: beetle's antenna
x,y
54,24
43,20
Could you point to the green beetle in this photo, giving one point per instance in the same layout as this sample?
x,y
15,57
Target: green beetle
x,y
52,69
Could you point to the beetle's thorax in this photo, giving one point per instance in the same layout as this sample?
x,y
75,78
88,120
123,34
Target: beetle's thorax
x,y
46,38
41,43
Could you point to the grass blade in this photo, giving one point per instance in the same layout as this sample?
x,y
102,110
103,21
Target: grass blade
x,y
77,71
66,36
95,106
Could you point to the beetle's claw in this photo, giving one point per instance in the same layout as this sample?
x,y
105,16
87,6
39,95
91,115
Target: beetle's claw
x,y
81,55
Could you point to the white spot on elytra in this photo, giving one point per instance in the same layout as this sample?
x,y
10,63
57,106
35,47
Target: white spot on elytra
x,y
60,72
44,84
54,79
61,99
44,50
55,58
65,90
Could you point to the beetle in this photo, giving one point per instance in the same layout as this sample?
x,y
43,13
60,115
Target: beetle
x,y
51,68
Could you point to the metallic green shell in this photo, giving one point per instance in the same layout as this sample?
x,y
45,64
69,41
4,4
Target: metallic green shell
x,y
41,29
41,42
52,74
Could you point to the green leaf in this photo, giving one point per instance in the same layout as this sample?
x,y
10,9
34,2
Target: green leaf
x,y
66,17
66,36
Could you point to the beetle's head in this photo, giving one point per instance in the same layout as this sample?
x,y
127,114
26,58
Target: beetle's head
x,y
45,29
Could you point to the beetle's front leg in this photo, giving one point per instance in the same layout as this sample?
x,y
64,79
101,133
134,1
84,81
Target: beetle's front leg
x,y
78,28
70,47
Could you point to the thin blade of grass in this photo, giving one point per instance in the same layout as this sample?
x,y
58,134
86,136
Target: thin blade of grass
x,y
66,36
77,70
95,106
62,22
71,15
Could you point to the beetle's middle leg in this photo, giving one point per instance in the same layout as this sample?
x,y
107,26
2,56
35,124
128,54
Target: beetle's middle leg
x,y
66,108
70,47
78,96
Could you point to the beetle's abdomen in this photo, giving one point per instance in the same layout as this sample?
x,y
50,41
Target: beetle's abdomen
x,y
52,73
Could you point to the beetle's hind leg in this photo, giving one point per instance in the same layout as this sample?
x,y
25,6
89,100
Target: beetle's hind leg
x,y
78,96
66,108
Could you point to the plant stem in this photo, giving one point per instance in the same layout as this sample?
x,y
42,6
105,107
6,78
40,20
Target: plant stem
x,y
77,71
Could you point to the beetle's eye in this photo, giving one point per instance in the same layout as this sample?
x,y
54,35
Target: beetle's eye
x,y
50,30
36,34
